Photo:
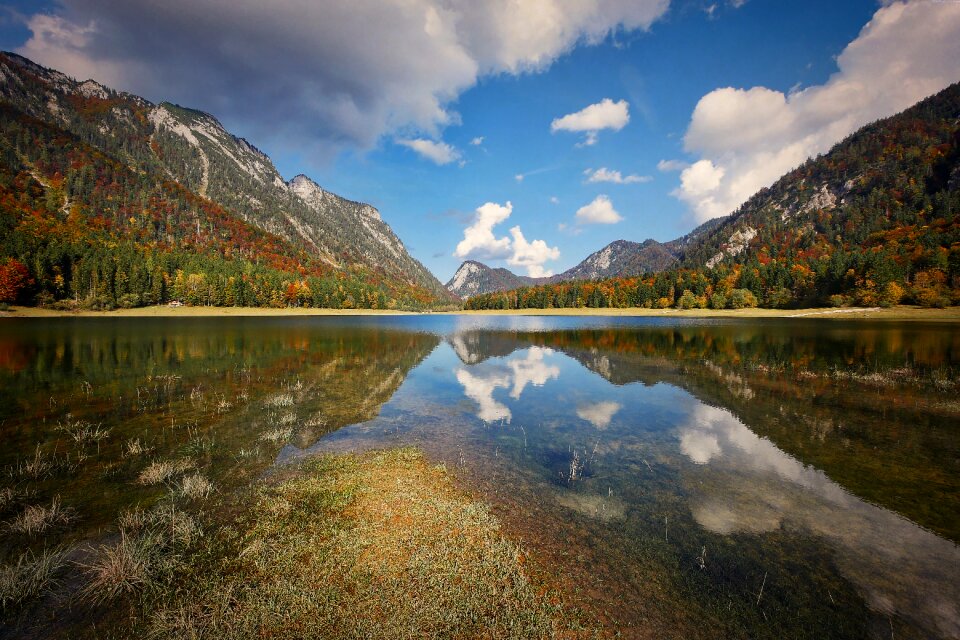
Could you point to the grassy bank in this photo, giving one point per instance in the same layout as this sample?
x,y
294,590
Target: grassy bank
x,y
950,314
164,311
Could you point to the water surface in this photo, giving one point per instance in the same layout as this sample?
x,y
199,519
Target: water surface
x,y
696,478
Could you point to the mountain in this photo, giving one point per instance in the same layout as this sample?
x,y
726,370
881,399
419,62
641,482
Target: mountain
x,y
619,258
473,278
872,222
345,247
890,188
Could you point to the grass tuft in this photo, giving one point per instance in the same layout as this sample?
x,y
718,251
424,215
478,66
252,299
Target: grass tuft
x,y
149,549
121,569
133,448
37,518
281,434
195,487
163,470
29,577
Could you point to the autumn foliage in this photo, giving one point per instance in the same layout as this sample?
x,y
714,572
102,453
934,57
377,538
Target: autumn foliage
x,y
14,278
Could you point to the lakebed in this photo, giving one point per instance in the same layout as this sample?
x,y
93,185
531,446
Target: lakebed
x,y
657,476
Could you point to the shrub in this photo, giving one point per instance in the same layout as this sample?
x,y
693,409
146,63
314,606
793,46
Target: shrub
x,y
742,299
687,300
892,295
780,298
718,301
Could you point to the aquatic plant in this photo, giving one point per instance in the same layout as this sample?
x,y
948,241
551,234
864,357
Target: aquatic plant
x,y
281,434
83,432
162,470
29,576
134,448
195,486
39,466
279,401
148,549
36,518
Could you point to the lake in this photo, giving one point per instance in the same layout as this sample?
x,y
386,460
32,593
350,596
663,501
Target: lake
x,y
680,478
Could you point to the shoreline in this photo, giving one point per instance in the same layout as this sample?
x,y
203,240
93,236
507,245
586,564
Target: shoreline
x,y
899,313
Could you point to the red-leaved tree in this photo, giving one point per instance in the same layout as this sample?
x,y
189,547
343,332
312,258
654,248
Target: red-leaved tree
x,y
14,276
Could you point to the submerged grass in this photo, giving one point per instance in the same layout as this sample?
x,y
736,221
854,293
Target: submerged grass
x,y
379,545
147,556
162,470
37,519
30,576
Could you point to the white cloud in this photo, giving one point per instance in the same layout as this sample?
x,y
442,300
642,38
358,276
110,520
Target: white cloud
x,y
672,165
599,414
554,200
438,152
608,175
747,138
590,120
479,241
600,211
531,255
519,177
336,72
477,141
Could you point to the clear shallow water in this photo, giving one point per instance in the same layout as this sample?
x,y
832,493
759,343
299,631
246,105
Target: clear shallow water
x,y
682,478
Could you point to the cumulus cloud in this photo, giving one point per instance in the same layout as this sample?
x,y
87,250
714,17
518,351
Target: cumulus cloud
x,y
531,255
480,242
477,141
747,138
438,152
608,175
478,238
335,72
590,120
600,211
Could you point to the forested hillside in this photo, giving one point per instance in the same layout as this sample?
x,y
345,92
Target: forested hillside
x,y
872,222
107,200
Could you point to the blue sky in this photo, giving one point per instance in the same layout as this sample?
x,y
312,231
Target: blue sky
x,y
663,64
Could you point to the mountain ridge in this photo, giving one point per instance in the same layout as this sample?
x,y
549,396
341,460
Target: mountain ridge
x,y
192,148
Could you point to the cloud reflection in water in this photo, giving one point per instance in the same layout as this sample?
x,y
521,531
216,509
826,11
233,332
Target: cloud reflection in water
x,y
748,485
